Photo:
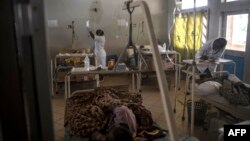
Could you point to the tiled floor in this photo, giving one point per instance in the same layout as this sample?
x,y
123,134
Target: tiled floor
x,y
151,100
58,105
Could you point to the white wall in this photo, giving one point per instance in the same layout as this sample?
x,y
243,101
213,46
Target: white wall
x,y
65,11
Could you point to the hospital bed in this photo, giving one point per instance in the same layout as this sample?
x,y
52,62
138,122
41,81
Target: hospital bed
x,y
77,104
191,72
209,92
218,101
239,112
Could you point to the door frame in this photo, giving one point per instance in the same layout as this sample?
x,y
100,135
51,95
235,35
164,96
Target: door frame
x,y
25,96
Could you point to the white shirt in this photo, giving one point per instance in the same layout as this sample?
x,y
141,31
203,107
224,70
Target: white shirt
x,y
99,45
207,50
99,51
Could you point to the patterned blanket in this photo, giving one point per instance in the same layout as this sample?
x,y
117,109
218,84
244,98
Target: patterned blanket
x,y
87,112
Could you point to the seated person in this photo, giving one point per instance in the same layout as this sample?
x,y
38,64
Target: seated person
x,y
211,50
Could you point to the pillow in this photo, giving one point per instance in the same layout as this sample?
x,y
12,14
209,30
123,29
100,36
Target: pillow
x,y
233,78
208,87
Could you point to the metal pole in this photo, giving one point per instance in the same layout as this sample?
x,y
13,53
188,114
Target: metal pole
x,y
169,115
52,78
66,87
193,72
176,81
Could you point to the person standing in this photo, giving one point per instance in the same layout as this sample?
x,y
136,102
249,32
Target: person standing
x,y
99,50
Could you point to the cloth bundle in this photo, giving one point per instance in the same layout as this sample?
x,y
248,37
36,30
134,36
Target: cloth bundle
x,y
235,93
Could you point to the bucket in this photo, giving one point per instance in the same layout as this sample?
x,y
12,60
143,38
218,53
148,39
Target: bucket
x,y
111,64
200,111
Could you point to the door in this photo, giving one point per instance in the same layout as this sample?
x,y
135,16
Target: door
x,y
25,98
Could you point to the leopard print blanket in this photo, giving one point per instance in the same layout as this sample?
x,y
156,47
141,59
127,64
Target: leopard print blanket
x,y
85,113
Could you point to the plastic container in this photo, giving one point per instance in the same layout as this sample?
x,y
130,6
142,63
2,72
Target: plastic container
x,y
164,47
111,64
86,63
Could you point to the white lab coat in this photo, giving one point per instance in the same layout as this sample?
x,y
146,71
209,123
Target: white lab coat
x,y
207,49
99,51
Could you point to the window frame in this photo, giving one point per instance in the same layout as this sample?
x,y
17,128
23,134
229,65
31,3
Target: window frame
x,y
188,9
225,1
202,10
224,28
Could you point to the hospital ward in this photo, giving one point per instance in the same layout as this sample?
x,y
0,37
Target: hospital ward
x,y
125,70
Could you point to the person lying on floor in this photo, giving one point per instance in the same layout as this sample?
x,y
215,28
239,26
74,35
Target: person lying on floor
x,y
121,125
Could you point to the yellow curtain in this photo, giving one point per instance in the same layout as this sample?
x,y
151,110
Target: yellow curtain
x,y
190,33
183,38
180,28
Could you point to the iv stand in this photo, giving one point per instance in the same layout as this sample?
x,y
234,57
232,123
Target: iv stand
x,y
72,26
164,91
136,52
193,73
161,77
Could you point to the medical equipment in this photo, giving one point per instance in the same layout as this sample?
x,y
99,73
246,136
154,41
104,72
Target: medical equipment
x,y
132,52
74,35
86,63
159,71
121,67
95,13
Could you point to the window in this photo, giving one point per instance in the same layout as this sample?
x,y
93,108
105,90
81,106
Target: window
x,y
231,0
183,36
187,4
236,31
